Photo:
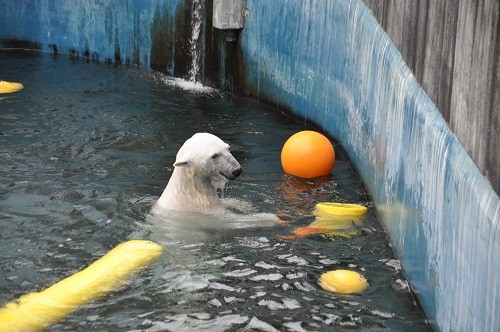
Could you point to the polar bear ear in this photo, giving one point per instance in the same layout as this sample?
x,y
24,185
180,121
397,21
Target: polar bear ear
x,y
182,159
180,163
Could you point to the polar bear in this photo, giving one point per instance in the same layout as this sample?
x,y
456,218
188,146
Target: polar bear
x,y
203,164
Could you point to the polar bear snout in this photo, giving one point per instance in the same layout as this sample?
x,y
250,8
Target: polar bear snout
x,y
237,172
233,175
228,166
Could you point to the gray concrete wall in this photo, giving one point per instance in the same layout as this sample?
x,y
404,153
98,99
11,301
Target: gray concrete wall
x,y
452,47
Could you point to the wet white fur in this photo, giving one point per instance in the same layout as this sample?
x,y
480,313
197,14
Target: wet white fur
x,y
203,164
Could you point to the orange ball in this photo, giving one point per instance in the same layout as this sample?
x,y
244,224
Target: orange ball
x,y
308,154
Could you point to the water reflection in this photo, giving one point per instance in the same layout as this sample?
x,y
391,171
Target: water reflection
x,y
83,164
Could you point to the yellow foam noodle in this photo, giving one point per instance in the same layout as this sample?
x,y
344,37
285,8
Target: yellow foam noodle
x,y
10,87
36,311
340,209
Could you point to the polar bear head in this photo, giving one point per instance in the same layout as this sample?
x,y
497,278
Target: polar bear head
x,y
207,156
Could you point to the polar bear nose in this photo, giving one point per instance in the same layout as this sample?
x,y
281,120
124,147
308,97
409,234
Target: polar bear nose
x,y
237,172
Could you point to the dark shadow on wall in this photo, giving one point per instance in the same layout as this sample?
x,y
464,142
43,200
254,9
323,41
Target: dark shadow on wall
x,y
170,47
170,35
20,44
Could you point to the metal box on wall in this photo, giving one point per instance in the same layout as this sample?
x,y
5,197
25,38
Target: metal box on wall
x,y
228,14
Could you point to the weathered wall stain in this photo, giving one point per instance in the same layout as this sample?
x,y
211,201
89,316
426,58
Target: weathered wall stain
x,y
170,33
112,30
220,62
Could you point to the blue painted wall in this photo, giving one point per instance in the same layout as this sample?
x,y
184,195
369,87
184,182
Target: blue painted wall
x,y
150,33
331,63
132,31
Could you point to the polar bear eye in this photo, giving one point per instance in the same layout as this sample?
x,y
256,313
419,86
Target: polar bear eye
x,y
215,156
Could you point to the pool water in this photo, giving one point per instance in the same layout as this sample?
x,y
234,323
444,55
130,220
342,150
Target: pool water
x,y
86,150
